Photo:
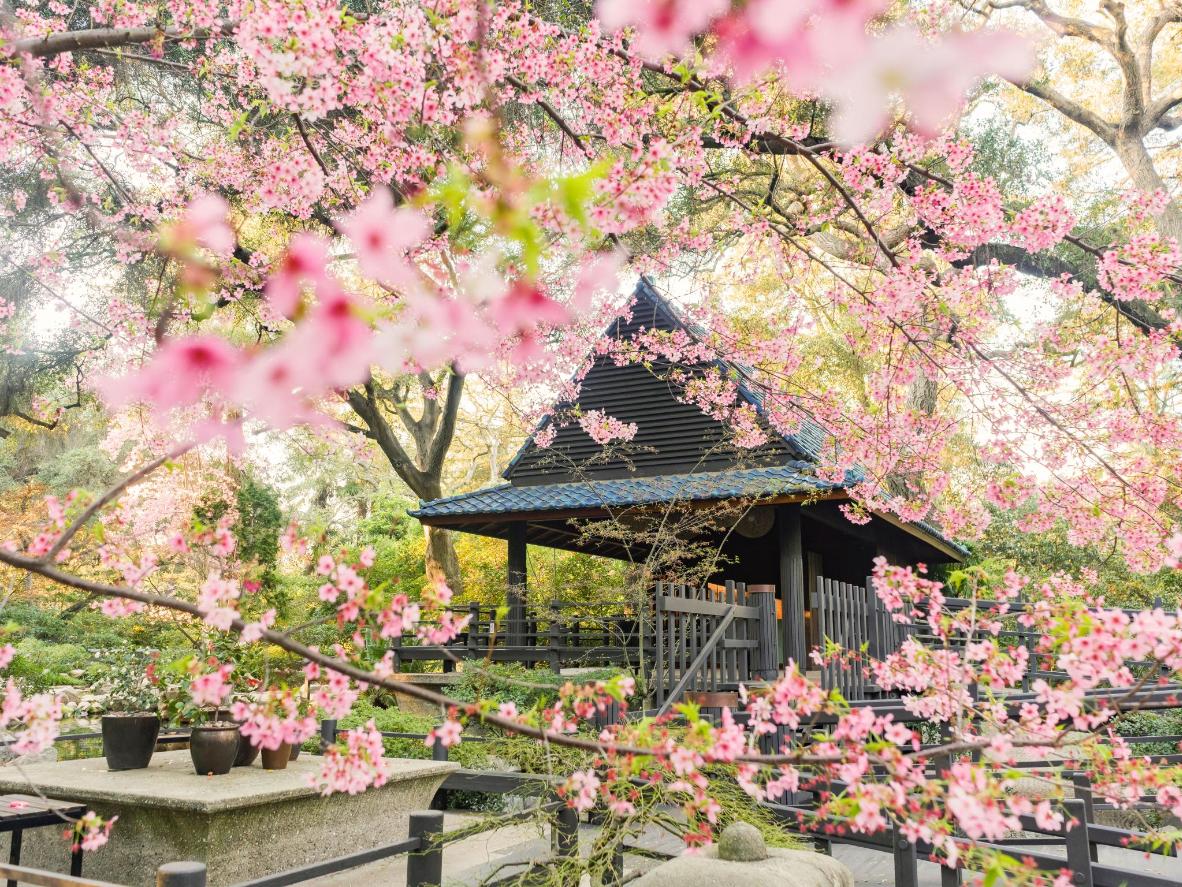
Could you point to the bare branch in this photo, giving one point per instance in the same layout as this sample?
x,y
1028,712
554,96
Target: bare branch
x,y
1072,110
446,431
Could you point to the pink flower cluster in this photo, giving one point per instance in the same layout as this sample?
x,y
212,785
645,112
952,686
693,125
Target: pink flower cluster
x,y
827,48
354,765
603,429
210,688
279,717
1137,269
91,831
38,718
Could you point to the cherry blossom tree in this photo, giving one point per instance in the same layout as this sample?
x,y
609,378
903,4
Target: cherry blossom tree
x,y
351,196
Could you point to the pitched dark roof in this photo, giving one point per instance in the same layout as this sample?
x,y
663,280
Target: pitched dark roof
x,y
560,500
679,453
778,480
673,436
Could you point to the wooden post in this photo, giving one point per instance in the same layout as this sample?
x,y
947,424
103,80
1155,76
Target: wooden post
x,y
766,662
1083,792
473,630
1079,852
554,638
517,584
564,834
328,734
792,583
906,863
424,867
181,874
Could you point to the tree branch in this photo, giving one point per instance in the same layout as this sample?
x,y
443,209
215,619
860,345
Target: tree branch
x,y
1103,130
109,496
441,442
111,38
1050,266
365,405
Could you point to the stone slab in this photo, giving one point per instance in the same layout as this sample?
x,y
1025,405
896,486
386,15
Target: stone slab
x,y
782,868
246,824
435,681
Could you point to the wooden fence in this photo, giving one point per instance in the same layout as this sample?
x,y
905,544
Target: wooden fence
x,y
561,633
708,642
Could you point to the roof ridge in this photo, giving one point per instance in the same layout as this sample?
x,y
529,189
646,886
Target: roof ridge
x,y
743,380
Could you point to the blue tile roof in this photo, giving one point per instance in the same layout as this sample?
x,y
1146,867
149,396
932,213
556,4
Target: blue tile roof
x,y
623,492
777,480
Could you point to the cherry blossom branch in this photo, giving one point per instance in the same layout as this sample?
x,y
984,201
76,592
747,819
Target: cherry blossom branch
x,y
109,496
111,38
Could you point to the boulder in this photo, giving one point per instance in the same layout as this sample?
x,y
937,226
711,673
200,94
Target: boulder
x,y
741,859
741,842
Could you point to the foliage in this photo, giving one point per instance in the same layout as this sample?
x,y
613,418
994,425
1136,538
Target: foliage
x,y
392,720
1163,722
258,526
738,806
525,687
39,665
1044,554
128,683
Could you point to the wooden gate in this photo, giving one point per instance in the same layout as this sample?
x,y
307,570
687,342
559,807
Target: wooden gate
x,y
853,617
711,639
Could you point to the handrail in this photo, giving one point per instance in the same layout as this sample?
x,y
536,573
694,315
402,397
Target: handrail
x,y
700,660
41,878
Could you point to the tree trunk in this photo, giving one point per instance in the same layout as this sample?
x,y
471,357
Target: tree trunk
x,y
1130,148
443,564
432,434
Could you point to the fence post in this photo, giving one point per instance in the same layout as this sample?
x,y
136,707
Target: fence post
x,y
906,864
1083,792
554,639
614,876
424,867
767,654
565,836
1079,850
181,874
328,734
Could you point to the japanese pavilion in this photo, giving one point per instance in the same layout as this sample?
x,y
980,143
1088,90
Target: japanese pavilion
x,y
792,540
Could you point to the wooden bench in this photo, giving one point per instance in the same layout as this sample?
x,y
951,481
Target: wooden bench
x,y
20,812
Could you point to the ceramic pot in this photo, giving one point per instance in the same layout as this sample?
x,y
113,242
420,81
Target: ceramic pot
x,y
129,740
277,758
247,752
214,748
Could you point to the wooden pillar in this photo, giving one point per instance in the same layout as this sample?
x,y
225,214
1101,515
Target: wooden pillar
x,y
516,595
765,665
792,583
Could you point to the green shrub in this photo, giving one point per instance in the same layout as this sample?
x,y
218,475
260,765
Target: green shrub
x,y
1166,722
513,682
39,665
392,720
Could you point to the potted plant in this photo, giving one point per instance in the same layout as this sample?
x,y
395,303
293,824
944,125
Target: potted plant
x,y
131,724
213,737
277,758
213,744
280,720
247,750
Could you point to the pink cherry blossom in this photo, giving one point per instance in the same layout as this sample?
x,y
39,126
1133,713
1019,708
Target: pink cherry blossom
x,y
382,235
661,27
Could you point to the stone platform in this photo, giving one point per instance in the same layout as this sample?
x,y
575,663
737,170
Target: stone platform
x,y
248,823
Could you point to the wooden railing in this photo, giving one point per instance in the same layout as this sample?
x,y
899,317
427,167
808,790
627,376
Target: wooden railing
x,y
710,639
560,633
